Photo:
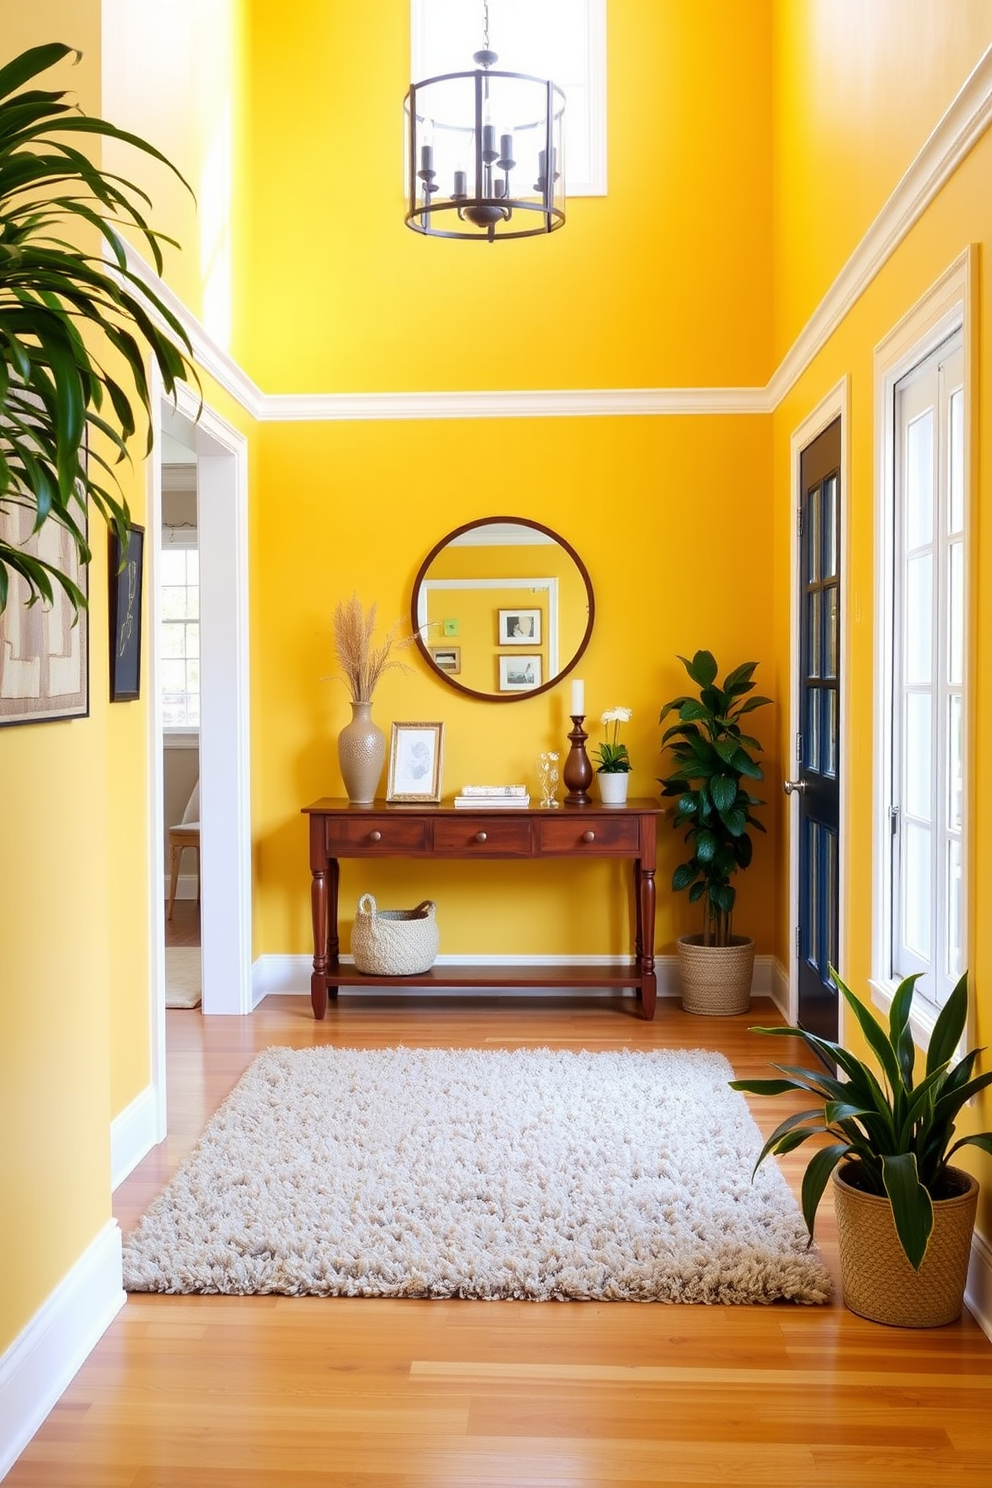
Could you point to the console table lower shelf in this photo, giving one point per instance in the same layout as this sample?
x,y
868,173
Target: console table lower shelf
x,y
339,830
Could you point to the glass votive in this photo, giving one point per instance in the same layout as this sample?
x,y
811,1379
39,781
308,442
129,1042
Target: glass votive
x,y
547,775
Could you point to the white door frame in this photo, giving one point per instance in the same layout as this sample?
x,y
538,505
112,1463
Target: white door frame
x,y
836,404
225,814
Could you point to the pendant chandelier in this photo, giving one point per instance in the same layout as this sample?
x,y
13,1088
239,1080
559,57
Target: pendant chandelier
x,y
485,153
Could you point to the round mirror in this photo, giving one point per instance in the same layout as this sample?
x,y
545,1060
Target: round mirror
x,y
502,608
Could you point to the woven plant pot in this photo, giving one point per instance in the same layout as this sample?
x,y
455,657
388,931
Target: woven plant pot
x,y
878,1281
716,980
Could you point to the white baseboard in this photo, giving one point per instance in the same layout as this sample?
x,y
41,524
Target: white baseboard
x,y
284,976
187,885
978,1293
133,1133
41,1362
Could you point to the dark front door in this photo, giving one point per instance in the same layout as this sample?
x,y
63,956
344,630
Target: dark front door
x,y
817,782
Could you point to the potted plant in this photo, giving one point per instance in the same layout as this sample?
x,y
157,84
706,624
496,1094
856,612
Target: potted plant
x,y
66,314
904,1215
612,760
713,762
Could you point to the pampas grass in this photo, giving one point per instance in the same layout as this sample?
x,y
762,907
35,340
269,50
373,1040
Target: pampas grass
x,y
362,662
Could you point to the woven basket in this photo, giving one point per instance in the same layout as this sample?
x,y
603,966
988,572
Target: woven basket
x,y
716,980
394,942
879,1283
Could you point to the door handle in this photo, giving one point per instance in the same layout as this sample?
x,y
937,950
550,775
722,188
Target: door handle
x,y
794,785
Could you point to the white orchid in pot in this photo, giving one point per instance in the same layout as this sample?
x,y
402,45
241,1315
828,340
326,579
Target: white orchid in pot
x,y
613,765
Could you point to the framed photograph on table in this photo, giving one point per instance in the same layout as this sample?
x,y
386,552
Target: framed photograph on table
x,y
44,649
519,673
519,627
126,575
415,751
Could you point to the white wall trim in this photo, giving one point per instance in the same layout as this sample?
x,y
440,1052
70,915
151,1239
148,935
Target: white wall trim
x,y
525,403
133,1134
289,975
43,1358
961,127
978,1292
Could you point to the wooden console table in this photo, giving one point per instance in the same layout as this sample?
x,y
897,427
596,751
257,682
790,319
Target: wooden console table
x,y
339,830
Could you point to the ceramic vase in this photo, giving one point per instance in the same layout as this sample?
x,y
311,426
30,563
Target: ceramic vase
x,y
361,755
613,787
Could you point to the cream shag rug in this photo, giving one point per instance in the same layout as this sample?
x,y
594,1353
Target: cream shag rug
x,y
183,985
480,1173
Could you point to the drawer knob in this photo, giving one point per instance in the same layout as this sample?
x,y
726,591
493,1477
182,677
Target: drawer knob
x,y
375,836
482,836
589,836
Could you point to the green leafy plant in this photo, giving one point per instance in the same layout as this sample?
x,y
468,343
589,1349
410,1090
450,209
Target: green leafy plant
x,y
896,1134
65,313
611,756
712,759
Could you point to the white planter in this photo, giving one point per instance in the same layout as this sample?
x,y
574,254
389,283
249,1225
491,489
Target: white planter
x,y
613,787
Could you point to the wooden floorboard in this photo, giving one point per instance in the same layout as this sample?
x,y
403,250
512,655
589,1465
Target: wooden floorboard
x,y
287,1392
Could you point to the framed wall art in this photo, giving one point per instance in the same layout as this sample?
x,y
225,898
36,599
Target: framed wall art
x,y
519,673
415,751
126,577
519,627
44,649
448,658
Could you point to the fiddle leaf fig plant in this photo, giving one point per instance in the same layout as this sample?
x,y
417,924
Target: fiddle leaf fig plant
x,y
68,313
713,761
897,1135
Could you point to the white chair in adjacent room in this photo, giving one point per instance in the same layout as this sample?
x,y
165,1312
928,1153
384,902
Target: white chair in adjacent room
x,y
185,834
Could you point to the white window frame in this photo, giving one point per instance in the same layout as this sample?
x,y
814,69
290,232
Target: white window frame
x,y
180,735
945,309
589,14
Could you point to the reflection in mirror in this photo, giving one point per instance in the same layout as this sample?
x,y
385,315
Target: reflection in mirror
x,y
502,608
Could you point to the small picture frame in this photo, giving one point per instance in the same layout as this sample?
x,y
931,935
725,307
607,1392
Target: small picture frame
x,y
447,658
125,615
519,673
520,627
415,752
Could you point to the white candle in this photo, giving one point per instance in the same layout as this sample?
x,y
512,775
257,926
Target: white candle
x,y
578,699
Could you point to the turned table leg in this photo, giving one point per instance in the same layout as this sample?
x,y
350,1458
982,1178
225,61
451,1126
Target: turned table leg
x,y
645,948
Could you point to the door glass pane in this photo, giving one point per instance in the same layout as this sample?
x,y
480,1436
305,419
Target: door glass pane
x,y
919,481
955,763
919,619
954,967
813,528
830,842
812,948
813,610
831,603
918,754
917,900
956,504
830,729
955,613
813,730
829,567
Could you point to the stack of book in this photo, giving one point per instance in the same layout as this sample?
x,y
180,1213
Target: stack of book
x,y
499,797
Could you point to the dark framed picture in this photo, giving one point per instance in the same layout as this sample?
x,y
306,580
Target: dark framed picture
x,y
44,649
126,575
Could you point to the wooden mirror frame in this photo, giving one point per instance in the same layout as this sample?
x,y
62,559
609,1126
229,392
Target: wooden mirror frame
x,y
452,681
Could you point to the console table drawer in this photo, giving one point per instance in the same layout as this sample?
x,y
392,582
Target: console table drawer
x,y
571,835
346,836
483,834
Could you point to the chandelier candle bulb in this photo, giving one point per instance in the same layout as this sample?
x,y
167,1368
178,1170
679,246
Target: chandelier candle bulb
x,y
427,157
578,698
461,184
489,142
506,160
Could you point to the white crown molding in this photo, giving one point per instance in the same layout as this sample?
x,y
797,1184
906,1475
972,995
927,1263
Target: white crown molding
x,y
961,127
963,124
528,403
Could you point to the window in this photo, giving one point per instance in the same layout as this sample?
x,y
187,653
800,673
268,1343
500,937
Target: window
x,y
180,630
561,39
928,630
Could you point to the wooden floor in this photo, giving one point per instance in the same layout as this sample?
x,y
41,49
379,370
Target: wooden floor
x,y
280,1392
